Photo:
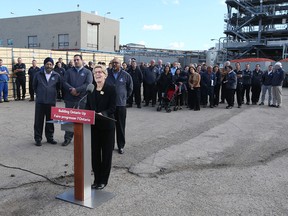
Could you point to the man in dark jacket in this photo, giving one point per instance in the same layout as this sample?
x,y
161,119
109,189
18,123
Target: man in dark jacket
x,y
247,75
150,76
231,85
19,70
75,82
137,78
277,82
124,87
31,72
239,87
267,85
256,84
45,84
207,83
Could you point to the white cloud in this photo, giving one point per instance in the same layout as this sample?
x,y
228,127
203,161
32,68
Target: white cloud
x,y
166,2
176,45
153,27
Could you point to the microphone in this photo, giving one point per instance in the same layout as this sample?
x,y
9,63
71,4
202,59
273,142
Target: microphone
x,y
89,89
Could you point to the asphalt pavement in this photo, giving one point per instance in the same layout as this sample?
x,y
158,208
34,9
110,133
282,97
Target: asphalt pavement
x,y
210,162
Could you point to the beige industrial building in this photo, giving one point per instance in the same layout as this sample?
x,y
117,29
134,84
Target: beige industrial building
x,y
61,31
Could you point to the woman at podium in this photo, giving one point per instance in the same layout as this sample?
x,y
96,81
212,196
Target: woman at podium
x,y
103,101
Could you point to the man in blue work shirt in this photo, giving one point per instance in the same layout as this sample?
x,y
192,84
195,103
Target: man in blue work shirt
x,y
76,80
4,78
124,87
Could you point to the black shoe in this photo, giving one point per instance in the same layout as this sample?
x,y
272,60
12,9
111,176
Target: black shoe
x,y
128,105
221,102
98,186
23,98
32,99
1,101
239,106
66,142
139,106
261,103
52,141
38,143
248,103
228,107
17,99
121,151
6,100
94,186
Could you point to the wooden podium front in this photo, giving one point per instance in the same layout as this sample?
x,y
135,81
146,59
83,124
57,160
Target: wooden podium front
x,y
80,121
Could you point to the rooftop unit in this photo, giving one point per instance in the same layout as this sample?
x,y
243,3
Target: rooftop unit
x,y
256,28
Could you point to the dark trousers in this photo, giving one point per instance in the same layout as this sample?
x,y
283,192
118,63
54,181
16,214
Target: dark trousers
x,y
216,94
205,92
223,92
135,94
246,89
102,143
21,81
256,90
150,93
230,96
239,94
43,111
120,116
31,90
194,98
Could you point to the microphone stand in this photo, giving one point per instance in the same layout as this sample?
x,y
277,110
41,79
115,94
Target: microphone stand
x,y
78,104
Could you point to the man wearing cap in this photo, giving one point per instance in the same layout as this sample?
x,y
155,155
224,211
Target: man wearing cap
x,y
277,81
45,84
75,82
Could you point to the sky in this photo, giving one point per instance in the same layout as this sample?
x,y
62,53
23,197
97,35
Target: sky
x,y
165,24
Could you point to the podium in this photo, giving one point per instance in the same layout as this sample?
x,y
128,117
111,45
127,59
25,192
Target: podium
x,y
80,121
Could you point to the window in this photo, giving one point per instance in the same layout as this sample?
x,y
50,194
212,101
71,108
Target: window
x,y
32,41
63,41
10,42
1,42
92,35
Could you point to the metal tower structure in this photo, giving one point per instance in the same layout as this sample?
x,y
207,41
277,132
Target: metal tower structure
x,y
256,28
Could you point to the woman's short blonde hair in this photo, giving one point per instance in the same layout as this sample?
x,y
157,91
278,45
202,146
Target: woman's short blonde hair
x,y
103,69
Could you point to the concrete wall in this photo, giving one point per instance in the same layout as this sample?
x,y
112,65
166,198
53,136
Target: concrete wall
x,y
108,28
48,27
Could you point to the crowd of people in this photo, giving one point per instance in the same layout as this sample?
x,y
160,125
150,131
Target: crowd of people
x,y
119,86
201,85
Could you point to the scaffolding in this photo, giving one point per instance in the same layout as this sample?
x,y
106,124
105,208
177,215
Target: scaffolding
x,y
256,28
